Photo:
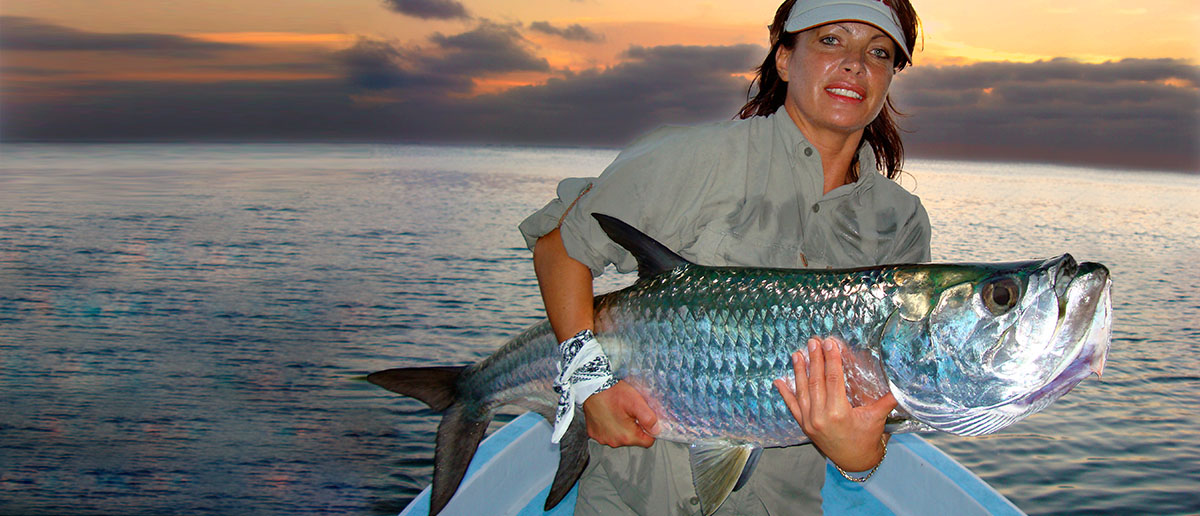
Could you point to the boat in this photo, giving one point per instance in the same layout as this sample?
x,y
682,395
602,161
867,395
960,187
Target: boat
x,y
513,468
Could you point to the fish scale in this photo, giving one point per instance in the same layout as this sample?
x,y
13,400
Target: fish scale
x,y
731,394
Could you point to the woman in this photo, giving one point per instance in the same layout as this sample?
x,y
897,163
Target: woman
x,y
794,183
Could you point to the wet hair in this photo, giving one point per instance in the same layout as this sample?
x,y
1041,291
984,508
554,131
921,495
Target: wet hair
x,y
768,91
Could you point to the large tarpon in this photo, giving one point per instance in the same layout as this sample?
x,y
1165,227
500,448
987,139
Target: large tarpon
x,y
965,348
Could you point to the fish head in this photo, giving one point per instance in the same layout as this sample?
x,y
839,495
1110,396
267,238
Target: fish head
x,y
971,349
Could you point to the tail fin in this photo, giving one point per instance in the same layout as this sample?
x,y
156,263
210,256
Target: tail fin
x,y
433,385
458,434
458,437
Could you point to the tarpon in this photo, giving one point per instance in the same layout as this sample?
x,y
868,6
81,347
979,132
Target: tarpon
x,y
965,348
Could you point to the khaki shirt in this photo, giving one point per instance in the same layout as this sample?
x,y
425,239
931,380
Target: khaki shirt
x,y
745,192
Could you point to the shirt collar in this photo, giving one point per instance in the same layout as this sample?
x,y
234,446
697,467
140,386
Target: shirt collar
x,y
785,127
795,143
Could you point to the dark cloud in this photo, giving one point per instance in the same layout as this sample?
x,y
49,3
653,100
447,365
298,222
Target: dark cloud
x,y
1139,113
450,67
658,85
573,32
429,9
378,65
296,66
33,71
311,110
30,34
1059,69
489,48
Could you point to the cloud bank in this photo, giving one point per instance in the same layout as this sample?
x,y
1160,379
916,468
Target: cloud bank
x,y
19,33
1133,113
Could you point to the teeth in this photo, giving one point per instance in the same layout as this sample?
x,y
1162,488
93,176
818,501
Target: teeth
x,y
844,92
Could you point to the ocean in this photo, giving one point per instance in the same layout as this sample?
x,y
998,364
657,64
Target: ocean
x,y
182,325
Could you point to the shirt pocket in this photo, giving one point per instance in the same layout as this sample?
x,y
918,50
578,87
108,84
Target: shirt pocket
x,y
704,250
727,248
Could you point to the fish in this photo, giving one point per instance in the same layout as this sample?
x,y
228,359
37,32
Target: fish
x,y
967,349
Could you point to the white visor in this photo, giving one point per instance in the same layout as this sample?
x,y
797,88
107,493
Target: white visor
x,y
807,14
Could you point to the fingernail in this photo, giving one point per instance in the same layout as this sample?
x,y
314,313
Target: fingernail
x,y
812,345
796,357
828,344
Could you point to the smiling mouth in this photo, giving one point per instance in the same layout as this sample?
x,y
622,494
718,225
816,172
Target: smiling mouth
x,y
845,93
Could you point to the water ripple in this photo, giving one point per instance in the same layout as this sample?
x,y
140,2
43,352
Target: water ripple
x,y
183,325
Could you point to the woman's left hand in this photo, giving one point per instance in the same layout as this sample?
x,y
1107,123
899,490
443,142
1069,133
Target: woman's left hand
x,y
849,436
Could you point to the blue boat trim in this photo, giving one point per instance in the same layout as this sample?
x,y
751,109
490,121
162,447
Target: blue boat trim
x,y
531,462
513,468
982,492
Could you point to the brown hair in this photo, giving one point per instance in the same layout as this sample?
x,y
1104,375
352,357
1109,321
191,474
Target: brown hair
x,y
882,133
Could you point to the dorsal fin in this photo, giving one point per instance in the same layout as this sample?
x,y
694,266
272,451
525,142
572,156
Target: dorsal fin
x,y
653,258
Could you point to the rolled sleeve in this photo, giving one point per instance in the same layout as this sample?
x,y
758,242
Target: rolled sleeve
x,y
657,185
584,240
550,216
582,236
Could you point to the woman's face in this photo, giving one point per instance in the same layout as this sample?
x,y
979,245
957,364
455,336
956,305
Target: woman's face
x,y
838,76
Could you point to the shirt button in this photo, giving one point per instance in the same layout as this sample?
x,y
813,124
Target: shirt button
x,y
816,208
808,151
694,500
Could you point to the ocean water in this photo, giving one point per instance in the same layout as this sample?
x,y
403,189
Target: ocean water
x,y
181,326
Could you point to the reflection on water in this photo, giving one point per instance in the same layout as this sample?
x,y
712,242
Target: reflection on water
x,y
182,324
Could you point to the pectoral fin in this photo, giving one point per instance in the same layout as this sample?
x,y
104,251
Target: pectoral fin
x,y
718,466
748,469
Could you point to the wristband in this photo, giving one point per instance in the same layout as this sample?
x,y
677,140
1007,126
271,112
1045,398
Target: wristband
x,y
583,371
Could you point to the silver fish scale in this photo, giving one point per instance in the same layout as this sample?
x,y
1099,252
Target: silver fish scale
x,y
710,341
521,372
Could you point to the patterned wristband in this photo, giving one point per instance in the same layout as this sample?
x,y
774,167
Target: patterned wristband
x,y
583,370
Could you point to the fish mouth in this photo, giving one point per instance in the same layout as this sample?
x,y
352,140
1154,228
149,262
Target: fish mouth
x,y
1090,287
1035,361
1084,329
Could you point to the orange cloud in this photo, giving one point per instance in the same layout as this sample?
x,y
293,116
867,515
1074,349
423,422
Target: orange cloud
x,y
276,38
497,84
620,36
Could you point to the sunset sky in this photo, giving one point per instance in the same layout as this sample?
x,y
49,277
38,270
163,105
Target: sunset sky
x,y
1097,82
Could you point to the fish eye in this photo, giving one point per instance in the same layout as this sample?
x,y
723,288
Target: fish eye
x,y
1000,295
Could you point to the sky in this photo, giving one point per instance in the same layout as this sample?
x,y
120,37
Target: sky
x,y
1099,82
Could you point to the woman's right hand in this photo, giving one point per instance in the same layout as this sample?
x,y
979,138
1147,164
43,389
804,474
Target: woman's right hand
x,y
620,416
